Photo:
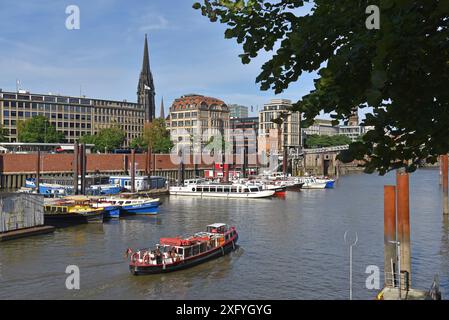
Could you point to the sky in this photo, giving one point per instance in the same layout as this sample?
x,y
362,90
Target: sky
x,y
103,59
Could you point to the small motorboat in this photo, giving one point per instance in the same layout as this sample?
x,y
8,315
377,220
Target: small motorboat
x,y
173,254
136,205
110,210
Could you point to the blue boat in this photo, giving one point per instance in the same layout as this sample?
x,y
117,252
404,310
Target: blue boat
x,y
111,212
330,184
135,206
148,208
104,189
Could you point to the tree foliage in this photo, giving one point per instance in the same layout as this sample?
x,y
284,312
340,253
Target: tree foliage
x,y
321,141
157,136
38,130
400,71
4,133
138,143
106,140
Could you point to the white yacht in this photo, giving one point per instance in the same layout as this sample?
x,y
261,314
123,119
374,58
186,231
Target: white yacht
x,y
221,190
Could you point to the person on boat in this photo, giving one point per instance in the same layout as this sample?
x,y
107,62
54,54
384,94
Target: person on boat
x,y
158,256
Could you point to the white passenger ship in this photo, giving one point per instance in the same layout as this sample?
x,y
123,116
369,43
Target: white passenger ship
x,y
221,190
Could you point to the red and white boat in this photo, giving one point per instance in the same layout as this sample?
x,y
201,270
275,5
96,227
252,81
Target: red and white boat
x,y
173,254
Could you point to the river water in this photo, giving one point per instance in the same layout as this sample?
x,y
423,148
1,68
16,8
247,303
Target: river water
x,y
290,248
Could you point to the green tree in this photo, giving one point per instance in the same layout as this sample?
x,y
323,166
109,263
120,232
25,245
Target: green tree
x,y
4,133
400,71
109,139
138,143
320,141
38,130
106,140
157,136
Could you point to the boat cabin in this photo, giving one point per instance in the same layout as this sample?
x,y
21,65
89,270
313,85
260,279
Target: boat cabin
x,y
217,228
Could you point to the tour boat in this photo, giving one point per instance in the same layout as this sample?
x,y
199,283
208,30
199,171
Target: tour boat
x,y
173,254
221,191
135,206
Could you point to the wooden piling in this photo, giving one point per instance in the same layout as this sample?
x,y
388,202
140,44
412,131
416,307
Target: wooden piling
x,y
38,170
403,221
133,170
75,167
389,234
445,184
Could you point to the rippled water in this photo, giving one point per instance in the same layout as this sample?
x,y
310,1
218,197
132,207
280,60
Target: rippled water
x,y
290,248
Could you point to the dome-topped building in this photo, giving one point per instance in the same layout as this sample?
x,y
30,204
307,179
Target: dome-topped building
x,y
198,117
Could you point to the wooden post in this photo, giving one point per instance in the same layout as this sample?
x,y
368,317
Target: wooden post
x,y
75,168
133,170
38,170
404,226
445,184
440,169
389,234
84,168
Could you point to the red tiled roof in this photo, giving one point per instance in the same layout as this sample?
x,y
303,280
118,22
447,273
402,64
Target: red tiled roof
x,y
196,100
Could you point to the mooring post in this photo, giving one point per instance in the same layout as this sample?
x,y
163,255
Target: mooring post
x,y
445,184
75,167
38,170
84,168
440,169
403,209
133,170
389,234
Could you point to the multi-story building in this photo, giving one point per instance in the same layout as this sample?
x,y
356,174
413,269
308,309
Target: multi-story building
x,y
245,129
78,116
238,111
289,129
194,119
321,127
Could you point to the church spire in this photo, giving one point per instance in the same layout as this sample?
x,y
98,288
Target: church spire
x,y
145,88
162,109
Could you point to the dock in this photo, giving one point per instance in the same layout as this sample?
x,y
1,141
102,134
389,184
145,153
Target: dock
x,y
28,232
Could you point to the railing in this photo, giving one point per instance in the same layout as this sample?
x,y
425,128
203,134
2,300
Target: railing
x,y
327,149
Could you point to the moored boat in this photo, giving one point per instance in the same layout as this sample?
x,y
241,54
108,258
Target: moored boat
x,y
136,206
173,254
222,191
61,215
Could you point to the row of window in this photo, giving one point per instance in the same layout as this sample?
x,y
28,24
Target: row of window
x,y
28,114
69,108
183,115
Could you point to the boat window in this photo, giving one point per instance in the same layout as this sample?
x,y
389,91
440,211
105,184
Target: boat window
x,y
180,251
213,189
227,237
187,252
200,189
233,189
254,189
227,189
196,250
245,190
203,246
220,189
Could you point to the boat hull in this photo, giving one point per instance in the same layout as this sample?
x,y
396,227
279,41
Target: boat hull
x,y
148,208
260,194
111,212
70,219
228,247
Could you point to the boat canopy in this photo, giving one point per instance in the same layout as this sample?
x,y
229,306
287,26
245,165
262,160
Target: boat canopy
x,y
217,228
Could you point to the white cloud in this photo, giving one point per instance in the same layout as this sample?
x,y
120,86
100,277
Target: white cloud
x,y
156,23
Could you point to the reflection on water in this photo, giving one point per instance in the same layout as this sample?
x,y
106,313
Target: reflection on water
x,y
290,247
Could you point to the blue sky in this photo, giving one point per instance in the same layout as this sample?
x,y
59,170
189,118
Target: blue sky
x,y
188,54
